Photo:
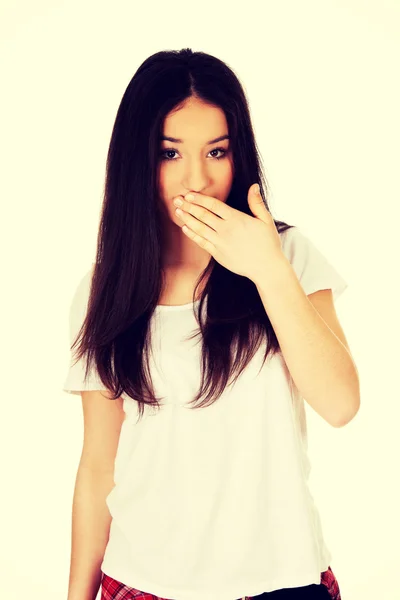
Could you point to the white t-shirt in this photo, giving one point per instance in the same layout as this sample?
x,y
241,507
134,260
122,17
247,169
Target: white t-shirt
x,y
214,503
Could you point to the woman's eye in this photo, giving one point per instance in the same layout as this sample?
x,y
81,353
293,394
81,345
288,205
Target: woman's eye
x,y
163,153
219,150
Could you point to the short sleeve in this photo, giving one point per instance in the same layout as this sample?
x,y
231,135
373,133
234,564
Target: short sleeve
x,y
74,382
312,268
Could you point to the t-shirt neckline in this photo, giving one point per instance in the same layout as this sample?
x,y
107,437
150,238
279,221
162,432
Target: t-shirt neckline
x,y
175,307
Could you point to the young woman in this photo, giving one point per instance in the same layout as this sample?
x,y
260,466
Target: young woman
x,y
201,333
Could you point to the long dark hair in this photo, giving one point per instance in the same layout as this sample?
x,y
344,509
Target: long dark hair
x,y
127,277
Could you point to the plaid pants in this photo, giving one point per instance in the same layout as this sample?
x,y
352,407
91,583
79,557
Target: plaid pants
x,y
111,589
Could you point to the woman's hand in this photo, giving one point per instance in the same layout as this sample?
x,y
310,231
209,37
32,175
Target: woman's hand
x,y
243,244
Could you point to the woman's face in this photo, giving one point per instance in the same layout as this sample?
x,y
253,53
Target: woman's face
x,y
193,164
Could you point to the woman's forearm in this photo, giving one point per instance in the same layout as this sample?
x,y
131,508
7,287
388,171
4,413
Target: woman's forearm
x,y
91,522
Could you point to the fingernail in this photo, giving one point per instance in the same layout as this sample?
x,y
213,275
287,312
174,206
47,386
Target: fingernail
x,y
256,188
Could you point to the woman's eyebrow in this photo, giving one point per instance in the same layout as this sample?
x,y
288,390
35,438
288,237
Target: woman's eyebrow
x,y
178,141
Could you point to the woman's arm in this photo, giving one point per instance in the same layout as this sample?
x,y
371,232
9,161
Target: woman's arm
x,y
91,519
91,522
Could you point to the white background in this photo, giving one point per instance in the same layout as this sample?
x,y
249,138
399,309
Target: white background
x,y
322,79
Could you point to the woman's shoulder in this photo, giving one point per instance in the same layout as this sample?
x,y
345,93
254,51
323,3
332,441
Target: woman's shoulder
x,y
295,242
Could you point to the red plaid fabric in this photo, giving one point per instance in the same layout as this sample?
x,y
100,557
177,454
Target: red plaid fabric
x,y
111,589
329,580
